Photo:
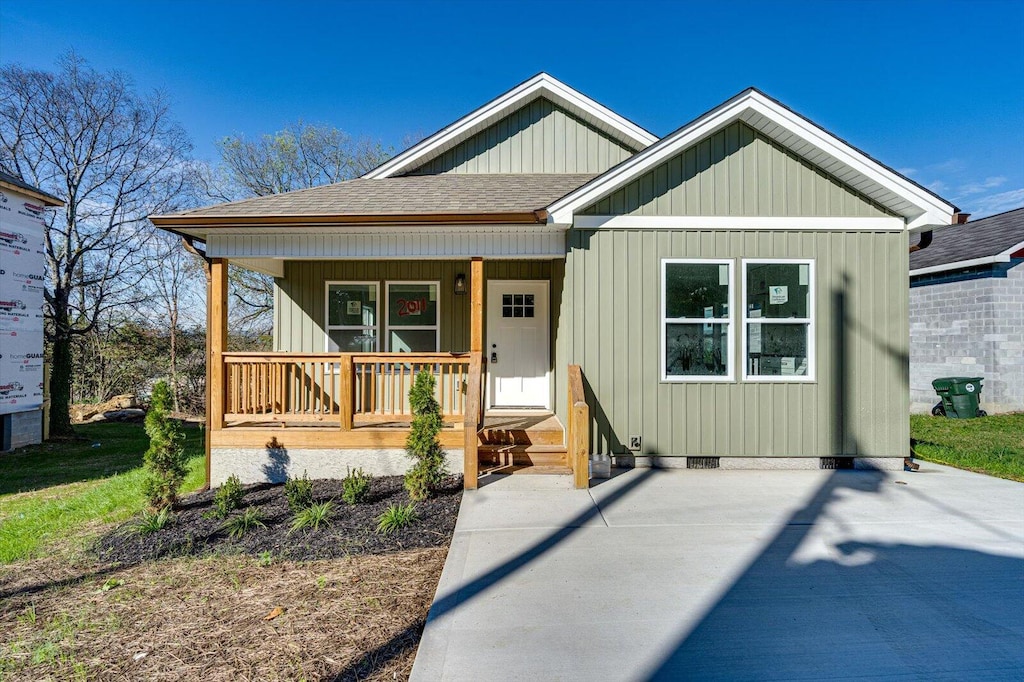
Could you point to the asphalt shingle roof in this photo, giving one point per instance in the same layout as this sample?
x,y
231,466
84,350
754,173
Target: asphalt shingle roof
x,y
409,195
974,239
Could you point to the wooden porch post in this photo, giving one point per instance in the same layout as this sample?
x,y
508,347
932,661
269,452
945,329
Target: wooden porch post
x,y
474,397
217,331
476,315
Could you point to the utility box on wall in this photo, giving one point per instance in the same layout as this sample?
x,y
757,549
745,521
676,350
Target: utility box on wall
x,y
22,277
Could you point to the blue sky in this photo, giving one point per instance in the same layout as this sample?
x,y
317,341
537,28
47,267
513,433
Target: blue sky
x,y
933,89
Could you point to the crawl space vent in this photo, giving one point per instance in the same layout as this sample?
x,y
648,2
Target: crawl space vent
x,y
701,462
836,463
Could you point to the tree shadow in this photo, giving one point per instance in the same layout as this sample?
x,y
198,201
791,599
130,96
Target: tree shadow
x,y
276,468
869,610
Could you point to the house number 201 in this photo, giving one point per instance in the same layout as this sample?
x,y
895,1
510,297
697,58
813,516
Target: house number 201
x,y
414,306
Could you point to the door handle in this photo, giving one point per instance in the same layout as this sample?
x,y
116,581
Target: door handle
x,y
494,358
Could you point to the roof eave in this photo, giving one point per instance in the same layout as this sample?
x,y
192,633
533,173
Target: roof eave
x,y
38,195
170,222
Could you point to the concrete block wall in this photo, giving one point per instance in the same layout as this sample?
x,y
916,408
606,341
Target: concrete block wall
x,y
969,328
21,429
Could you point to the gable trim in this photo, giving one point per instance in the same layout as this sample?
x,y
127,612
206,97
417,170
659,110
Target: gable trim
x,y
778,223
541,85
890,189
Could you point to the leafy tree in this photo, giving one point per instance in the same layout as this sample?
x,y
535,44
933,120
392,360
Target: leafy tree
x,y
165,459
422,444
115,157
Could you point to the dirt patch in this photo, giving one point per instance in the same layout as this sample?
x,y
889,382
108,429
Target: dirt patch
x,y
352,531
189,603
203,619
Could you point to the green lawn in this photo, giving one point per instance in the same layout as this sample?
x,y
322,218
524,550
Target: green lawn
x,y
991,445
53,491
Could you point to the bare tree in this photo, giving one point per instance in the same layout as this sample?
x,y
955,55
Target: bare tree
x,y
299,156
115,157
175,280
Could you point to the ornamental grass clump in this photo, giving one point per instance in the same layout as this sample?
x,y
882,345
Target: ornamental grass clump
x,y
396,517
423,445
240,524
166,461
313,516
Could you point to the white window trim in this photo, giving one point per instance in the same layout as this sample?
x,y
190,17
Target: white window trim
x,y
328,328
730,321
436,327
812,363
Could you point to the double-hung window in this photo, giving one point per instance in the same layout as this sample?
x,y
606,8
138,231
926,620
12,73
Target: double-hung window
x,y
778,320
697,320
413,317
352,315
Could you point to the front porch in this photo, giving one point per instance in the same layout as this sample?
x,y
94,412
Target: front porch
x,y
279,413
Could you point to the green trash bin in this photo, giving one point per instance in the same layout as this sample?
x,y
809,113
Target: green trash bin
x,y
961,397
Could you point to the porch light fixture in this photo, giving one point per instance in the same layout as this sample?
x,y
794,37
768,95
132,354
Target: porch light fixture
x,y
460,283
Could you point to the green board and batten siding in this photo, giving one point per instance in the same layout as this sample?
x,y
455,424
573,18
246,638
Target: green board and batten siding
x,y
613,298
299,297
736,172
858,403
538,138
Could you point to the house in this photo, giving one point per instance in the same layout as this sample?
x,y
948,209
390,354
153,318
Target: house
x,y
967,311
22,209
731,295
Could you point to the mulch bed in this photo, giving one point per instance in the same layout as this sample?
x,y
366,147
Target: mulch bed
x,y
353,530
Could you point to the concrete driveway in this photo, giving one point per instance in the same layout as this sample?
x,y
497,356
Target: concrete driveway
x,y
659,574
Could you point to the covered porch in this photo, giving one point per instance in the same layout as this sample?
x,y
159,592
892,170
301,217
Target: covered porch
x,y
352,407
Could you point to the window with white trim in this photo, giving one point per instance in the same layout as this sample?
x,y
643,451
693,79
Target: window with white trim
x,y
352,316
778,320
413,324
696,320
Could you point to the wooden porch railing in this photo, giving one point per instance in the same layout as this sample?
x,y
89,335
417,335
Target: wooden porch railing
x,y
578,429
339,387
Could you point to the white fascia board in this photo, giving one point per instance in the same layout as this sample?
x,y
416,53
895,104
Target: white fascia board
x,y
780,224
539,86
932,211
383,229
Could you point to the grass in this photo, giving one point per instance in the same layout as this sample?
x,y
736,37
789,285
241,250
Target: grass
x,y
52,491
992,445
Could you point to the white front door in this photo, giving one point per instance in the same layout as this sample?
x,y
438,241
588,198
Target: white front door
x,y
517,351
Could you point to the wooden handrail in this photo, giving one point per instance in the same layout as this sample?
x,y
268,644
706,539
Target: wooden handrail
x,y
339,387
578,430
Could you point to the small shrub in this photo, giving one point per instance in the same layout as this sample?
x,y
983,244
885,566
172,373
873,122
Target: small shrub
x,y
423,445
299,492
227,498
151,522
313,516
237,526
355,487
396,517
166,461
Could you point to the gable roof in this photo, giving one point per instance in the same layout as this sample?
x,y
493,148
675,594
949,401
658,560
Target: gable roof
x,y
16,184
541,85
978,242
455,198
917,205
